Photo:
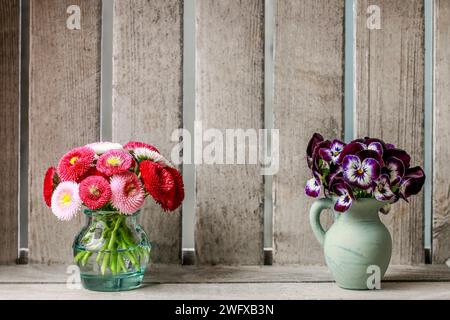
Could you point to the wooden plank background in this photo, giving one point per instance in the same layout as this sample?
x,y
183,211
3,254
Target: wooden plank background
x,y
9,127
441,178
229,94
147,106
147,96
64,110
309,40
390,103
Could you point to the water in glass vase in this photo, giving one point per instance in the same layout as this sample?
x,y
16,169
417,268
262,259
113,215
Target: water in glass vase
x,y
112,251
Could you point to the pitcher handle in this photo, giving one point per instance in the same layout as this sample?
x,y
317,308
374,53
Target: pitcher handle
x,y
314,217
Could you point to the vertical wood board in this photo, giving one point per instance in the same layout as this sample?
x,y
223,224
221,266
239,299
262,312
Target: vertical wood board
x,y
309,74
147,97
441,169
64,111
229,95
9,127
390,103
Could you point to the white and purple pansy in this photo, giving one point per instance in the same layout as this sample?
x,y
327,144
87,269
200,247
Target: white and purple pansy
x,y
365,154
377,147
382,190
412,182
350,149
332,154
345,197
395,169
359,173
364,168
313,188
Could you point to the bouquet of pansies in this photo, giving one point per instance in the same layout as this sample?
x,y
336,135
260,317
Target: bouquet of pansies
x,y
107,176
364,168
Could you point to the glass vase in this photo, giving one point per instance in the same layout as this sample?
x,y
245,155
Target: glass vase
x,y
112,251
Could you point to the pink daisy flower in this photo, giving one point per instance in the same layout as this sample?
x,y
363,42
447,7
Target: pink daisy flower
x,y
114,162
66,202
130,146
127,193
74,164
95,192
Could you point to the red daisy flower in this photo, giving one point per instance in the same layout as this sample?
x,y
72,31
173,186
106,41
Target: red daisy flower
x,y
92,172
164,184
114,162
95,192
74,164
133,145
175,201
51,181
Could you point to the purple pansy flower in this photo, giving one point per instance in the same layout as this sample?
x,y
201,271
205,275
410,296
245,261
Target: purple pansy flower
x,y
395,169
389,146
332,154
315,140
364,168
336,149
361,173
313,188
399,154
334,174
382,190
412,182
377,147
318,162
345,199
365,154
368,141
351,149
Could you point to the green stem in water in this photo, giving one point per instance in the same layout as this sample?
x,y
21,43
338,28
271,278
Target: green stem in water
x,y
79,256
99,257
85,258
114,233
113,264
105,262
121,263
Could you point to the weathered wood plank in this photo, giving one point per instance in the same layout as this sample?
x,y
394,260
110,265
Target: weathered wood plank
x,y
64,110
390,103
309,58
159,273
229,89
232,291
147,96
9,127
441,178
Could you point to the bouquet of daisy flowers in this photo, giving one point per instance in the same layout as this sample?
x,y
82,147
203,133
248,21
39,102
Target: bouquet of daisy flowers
x,y
111,178
364,168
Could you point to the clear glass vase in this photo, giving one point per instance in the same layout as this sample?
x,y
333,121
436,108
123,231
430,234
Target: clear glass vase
x,y
112,251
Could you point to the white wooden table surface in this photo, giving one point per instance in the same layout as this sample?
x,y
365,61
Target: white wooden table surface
x,y
235,283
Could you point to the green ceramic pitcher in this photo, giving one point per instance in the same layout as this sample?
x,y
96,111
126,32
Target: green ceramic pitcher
x,y
356,245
